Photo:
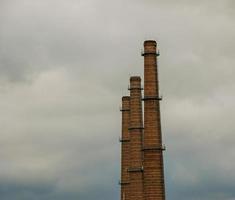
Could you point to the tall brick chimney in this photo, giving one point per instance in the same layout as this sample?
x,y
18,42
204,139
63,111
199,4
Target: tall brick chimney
x,y
136,135
125,149
154,187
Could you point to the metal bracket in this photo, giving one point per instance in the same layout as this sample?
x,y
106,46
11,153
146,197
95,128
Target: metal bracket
x,y
152,98
123,182
132,128
136,169
152,148
124,140
143,53
135,88
122,110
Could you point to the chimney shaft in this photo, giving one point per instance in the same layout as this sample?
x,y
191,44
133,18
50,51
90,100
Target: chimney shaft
x,y
136,134
125,149
154,187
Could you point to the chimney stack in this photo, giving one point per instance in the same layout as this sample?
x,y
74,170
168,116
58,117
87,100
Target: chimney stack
x,y
142,170
154,187
136,135
125,149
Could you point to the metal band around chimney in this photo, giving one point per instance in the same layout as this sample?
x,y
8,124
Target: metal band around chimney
x,y
132,128
122,110
123,182
156,148
124,140
135,88
152,98
149,53
136,169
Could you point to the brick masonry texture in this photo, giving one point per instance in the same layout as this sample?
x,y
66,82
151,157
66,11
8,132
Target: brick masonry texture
x,y
154,187
125,149
142,169
136,135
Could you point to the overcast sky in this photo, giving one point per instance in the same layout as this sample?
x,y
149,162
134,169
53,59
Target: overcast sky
x,y
64,65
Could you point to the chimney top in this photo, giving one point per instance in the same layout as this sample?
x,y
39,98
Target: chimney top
x,y
135,78
125,98
150,43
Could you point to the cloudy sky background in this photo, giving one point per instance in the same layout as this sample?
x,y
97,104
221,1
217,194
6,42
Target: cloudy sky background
x,y
64,65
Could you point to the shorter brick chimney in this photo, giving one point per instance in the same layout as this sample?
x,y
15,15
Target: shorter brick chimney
x,y
136,135
125,149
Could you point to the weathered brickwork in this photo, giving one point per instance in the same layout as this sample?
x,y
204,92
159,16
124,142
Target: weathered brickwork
x,y
125,149
136,135
154,188
142,169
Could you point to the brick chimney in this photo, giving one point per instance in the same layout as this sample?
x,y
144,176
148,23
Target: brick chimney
x,y
136,135
154,187
125,149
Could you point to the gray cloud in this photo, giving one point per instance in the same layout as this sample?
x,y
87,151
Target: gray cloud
x,y
64,66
